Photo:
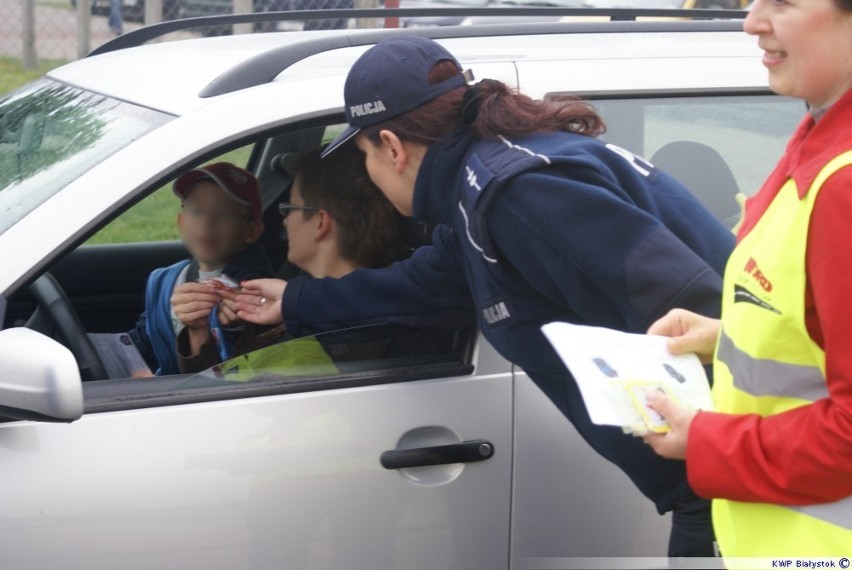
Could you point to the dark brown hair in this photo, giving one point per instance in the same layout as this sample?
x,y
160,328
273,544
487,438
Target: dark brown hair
x,y
339,184
489,108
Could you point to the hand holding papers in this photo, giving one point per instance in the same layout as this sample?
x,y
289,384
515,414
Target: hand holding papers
x,y
615,371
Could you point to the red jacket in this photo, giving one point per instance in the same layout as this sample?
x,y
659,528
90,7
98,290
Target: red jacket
x,y
804,455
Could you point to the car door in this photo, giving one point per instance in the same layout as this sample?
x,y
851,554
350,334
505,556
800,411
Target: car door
x,y
185,473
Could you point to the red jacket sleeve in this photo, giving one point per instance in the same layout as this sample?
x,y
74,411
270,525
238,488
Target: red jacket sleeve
x,y
804,455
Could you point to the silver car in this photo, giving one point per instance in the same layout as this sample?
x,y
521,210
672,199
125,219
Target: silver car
x,y
426,451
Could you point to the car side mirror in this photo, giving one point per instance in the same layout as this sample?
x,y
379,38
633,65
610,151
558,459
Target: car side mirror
x,y
40,380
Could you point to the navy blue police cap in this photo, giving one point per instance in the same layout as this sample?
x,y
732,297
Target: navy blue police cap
x,y
390,79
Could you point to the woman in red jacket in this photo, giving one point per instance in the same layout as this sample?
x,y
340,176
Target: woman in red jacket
x,y
776,455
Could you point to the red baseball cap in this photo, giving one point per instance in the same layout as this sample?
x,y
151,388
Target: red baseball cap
x,y
238,183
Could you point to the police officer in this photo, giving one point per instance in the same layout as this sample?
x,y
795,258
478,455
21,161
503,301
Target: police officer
x,y
537,221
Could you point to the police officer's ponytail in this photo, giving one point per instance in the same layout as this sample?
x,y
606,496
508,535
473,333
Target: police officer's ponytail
x,y
471,101
490,108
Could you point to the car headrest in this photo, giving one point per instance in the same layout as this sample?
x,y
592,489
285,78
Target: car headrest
x,y
704,172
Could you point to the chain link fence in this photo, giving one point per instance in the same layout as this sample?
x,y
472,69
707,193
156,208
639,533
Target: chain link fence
x,y
55,31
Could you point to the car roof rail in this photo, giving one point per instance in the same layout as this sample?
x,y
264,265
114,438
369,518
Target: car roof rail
x,y
145,34
265,67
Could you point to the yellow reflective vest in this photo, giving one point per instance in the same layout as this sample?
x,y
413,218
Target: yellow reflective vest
x,y
766,363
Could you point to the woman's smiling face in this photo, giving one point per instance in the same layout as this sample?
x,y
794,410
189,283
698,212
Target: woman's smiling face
x,y
807,47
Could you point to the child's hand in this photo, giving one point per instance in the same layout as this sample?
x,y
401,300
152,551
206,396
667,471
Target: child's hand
x,y
192,303
227,289
228,308
259,301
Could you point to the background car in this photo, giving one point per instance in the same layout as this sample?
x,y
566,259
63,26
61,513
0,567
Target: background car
x,y
675,4
199,8
428,21
416,449
532,4
134,10
613,5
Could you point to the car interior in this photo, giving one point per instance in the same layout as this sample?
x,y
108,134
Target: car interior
x,y
99,288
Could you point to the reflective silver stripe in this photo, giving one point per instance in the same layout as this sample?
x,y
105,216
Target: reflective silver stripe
x,y
764,377
838,513
475,245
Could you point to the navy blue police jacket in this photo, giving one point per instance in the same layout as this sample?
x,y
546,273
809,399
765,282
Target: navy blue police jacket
x,y
548,227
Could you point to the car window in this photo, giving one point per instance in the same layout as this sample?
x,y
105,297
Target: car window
x,y
717,146
749,132
358,356
153,219
52,133
353,350
145,237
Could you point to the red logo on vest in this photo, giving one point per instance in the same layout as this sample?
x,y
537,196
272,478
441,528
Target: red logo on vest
x,y
752,269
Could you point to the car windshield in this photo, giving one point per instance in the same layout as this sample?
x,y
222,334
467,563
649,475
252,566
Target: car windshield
x,y
51,133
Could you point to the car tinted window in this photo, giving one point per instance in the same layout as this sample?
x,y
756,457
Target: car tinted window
x,y
717,146
52,133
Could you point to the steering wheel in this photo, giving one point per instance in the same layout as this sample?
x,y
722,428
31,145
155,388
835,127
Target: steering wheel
x,y
54,312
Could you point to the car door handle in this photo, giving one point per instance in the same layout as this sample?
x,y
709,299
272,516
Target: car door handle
x,y
464,452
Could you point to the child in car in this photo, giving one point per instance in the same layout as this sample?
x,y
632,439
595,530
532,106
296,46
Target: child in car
x,y
219,223
336,221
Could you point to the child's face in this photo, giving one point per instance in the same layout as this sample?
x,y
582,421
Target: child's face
x,y
213,226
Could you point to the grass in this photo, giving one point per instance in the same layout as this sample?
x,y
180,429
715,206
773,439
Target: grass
x,y
13,74
63,4
155,217
152,219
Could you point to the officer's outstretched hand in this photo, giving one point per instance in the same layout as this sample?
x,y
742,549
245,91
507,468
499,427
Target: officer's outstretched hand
x,y
259,301
689,332
671,444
